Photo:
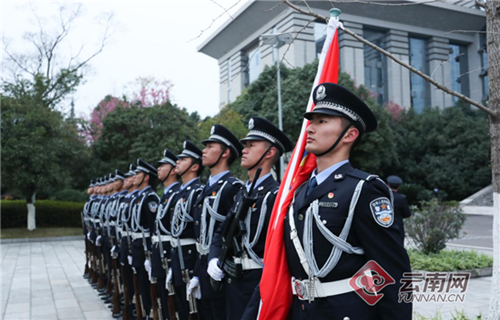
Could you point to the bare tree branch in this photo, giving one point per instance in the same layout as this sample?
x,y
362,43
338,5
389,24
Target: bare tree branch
x,y
490,112
214,20
445,62
272,8
482,5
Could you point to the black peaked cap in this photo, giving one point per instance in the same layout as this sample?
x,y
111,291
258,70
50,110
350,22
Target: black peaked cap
x,y
168,158
131,170
262,129
335,100
394,181
221,134
190,150
92,184
119,175
143,166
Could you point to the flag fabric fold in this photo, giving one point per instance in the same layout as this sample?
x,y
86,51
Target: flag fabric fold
x,y
275,286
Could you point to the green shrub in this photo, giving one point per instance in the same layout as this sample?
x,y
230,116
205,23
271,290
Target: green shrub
x,y
71,195
434,224
448,260
48,213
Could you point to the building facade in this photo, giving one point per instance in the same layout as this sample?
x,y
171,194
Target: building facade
x,y
444,39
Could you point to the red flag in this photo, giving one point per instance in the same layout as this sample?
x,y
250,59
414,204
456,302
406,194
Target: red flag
x,y
275,285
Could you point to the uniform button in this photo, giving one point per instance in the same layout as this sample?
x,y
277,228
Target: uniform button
x,y
196,222
229,280
301,217
324,221
302,307
199,206
189,251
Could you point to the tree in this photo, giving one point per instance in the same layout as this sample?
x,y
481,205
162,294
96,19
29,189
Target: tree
x,y
130,133
40,80
492,9
108,104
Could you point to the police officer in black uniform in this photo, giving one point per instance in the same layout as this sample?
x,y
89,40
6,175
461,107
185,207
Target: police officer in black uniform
x,y
183,255
401,207
143,211
160,252
211,207
125,214
264,144
86,221
340,219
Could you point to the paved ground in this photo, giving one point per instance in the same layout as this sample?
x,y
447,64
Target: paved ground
x,y
43,280
477,233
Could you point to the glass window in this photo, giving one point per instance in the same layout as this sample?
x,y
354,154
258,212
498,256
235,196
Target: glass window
x,y
319,37
419,87
459,69
375,65
253,61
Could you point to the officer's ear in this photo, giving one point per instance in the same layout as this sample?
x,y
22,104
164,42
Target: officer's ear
x,y
351,135
195,167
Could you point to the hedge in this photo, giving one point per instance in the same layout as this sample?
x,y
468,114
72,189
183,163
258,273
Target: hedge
x,y
48,213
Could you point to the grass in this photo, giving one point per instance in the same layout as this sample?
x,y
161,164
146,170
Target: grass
x,y
458,315
17,233
449,260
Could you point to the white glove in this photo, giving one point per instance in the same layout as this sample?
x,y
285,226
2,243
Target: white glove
x,y
169,278
98,241
88,235
147,266
129,260
214,271
194,288
113,249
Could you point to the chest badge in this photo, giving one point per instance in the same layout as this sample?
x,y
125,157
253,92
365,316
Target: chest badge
x,y
330,195
214,193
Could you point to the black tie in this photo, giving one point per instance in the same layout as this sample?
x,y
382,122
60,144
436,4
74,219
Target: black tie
x,y
312,184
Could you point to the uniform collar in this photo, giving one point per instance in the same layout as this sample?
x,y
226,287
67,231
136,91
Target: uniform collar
x,y
169,187
124,192
216,178
184,186
132,193
145,189
320,177
259,181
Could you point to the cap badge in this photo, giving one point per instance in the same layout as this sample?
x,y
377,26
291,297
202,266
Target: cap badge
x,y
321,93
212,131
250,124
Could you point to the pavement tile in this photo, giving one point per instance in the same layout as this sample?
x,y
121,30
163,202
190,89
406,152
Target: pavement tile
x,y
43,301
17,307
17,316
43,310
93,315
70,303
70,313
92,305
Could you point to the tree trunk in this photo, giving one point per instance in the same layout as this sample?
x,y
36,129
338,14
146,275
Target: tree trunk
x,y
30,201
493,36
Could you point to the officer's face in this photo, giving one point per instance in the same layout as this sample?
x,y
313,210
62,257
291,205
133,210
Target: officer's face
x,y
127,183
182,165
252,152
211,153
138,178
322,132
163,171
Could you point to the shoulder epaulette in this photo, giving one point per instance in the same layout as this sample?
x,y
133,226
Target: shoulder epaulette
x,y
361,175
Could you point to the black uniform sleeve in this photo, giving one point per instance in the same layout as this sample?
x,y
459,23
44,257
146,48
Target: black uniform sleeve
x,y
381,242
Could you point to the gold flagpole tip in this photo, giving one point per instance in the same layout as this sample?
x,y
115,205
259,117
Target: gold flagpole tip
x,y
335,13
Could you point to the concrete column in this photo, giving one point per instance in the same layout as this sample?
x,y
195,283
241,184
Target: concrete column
x,y
351,53
438,55
302,51
237,82
475,69
223,83
398,77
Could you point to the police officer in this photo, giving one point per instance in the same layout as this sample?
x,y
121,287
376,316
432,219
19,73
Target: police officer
x,y
160,255
125,214
264,144
86,224
340,219
183,255
217,198
143,211
401,207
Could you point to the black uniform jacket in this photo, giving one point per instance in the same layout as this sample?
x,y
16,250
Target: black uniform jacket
x,y
189,252
379,238
227,198
157,270
401,210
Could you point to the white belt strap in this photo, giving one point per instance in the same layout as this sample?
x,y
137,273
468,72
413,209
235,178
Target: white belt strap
x,y
321,290
184,242
247,263
162,238
201,250
139,235
295,239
